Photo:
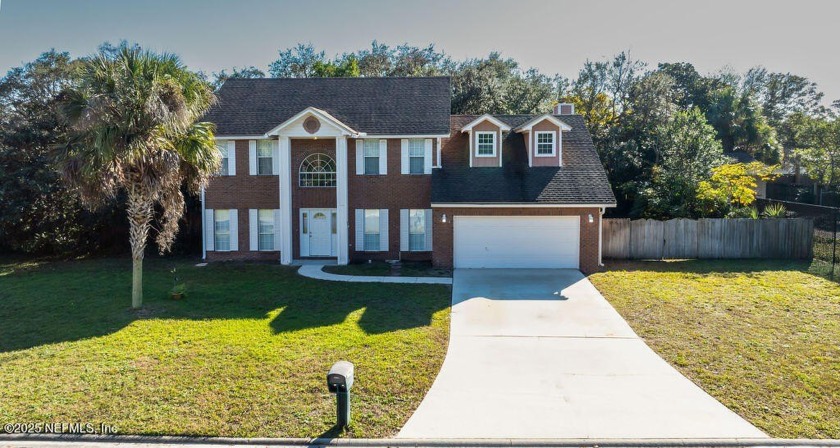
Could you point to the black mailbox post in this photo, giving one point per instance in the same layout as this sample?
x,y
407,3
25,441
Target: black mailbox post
x,y
339,382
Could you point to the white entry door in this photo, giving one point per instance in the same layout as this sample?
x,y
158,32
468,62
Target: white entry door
x,y
319,234
316,238
517,241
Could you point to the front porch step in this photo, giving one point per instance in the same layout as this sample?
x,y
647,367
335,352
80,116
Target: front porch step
x,y
310,262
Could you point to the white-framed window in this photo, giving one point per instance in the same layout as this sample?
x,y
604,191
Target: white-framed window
x,y
417,230
371,157
265,161
333,222
317,170
372,230
416,156
221,230
223,150
485,144
546,146
266,229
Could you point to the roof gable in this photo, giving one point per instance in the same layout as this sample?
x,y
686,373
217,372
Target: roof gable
x,y
342,128
528,125
486,117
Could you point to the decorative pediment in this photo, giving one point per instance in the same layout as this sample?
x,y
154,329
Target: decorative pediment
x,y
489,118
313,122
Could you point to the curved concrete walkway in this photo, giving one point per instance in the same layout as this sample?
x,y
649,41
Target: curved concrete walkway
x,y
316,271
540,354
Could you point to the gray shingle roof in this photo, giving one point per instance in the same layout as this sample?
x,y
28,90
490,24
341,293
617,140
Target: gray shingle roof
x,y
581,179
372,105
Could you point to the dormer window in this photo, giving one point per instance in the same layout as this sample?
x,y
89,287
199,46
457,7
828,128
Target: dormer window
x,y
485,144
546,146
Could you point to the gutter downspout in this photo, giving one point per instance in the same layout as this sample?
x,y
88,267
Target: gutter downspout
x,y
203,225
600,236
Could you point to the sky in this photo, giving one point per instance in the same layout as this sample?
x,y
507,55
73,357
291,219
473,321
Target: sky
x,y
555,36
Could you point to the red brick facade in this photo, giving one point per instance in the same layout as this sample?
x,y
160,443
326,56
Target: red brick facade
x,y
243,192
393,191
308,197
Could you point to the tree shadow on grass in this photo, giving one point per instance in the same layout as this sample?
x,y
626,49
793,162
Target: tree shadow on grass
x,y
74,300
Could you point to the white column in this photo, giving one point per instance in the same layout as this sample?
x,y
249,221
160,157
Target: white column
x,y
342,168
285,200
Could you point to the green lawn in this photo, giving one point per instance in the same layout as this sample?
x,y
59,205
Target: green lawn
x,y
245,354
763,337
381,268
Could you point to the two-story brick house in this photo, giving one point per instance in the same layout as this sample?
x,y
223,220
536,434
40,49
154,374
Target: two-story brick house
x,y
353,169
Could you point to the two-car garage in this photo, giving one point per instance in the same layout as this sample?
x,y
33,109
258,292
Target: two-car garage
x,y
516,241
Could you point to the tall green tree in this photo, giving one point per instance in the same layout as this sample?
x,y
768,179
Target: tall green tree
x,y
133,128
249,72
818,147
37,215
687,151
497,85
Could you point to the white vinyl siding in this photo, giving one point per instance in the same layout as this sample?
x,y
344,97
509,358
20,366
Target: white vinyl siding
x,y
545,144
485,144
265,157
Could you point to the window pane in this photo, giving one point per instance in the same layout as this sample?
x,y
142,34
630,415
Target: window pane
x,y
224,169
372,241
264,148
372,165
371,148
372,221
417,221
486,143
222,242
305,224
545,143
266,229
417,242
317,170
416,147
266,242
264,165
222,146
333,222
416,165
221,226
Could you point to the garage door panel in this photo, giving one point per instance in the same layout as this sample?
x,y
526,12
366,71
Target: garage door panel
x,y
516,241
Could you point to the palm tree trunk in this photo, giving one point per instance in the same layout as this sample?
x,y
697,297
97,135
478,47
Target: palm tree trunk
x,y
140,211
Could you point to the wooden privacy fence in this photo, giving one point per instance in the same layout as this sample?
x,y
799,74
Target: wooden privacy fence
x,y
708,238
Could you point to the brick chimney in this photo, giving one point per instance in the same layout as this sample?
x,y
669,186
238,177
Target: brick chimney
x,y
564,109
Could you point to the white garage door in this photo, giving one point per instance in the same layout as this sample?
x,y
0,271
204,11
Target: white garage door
x,y
517,241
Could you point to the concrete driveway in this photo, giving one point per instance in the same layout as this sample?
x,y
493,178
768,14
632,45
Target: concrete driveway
x,y
541,354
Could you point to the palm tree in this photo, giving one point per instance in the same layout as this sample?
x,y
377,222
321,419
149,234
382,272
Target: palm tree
x,y
133,130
